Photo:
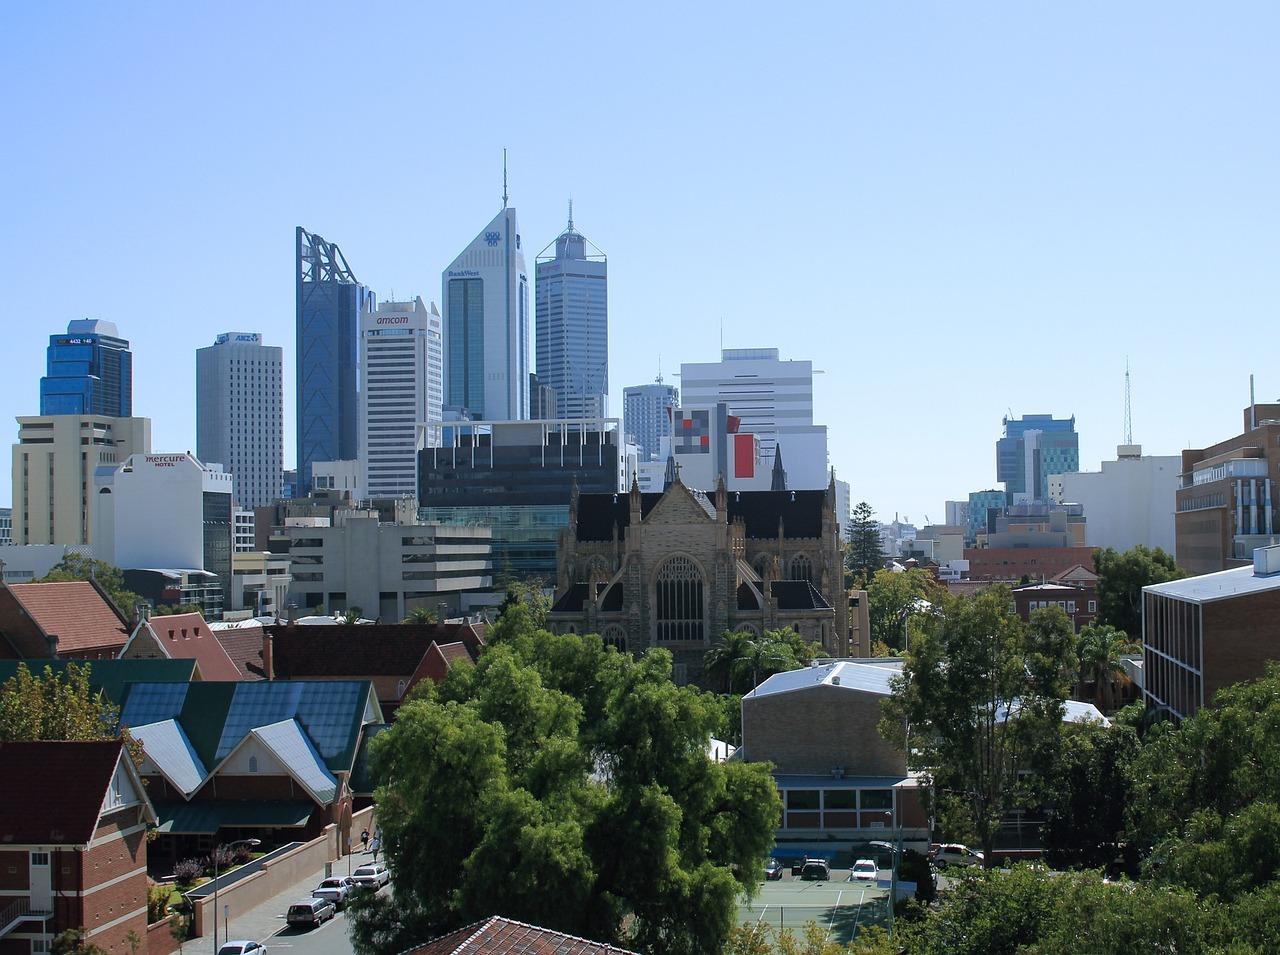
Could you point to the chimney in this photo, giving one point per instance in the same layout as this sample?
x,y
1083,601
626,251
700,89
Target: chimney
x,y
268,669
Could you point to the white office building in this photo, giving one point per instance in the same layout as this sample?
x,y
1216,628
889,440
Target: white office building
x,y
843,508
486,324
240,413
401,386
1131,501
646,415
774,400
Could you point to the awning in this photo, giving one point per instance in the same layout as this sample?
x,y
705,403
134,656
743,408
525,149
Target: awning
x,y
207,817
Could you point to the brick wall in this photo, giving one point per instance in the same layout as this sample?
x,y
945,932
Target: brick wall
x,y
115,885
1014,563
1240,636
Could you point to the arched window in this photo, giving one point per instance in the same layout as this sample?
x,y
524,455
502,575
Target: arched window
x,y
615,636
253,764
680,600
801,568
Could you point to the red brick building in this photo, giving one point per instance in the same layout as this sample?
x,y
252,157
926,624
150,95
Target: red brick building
x,y
72,620
73,848
1034,563
1079,603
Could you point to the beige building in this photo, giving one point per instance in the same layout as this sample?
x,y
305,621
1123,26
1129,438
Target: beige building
x,y
677,569
53,467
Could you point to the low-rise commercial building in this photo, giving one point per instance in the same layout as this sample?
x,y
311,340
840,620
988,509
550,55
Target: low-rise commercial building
x,y
1012,564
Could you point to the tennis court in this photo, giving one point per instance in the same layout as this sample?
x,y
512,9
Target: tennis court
x,y
841,907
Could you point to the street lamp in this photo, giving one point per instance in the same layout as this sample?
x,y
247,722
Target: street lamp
x,y
216,850
897,854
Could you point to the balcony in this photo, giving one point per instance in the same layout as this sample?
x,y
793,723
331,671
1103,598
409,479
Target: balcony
x,y
1235,468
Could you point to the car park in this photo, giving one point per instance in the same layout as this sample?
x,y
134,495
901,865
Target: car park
x,y
310,912
864,870
337,890
242,946
371,875
773,870
952,853
816,870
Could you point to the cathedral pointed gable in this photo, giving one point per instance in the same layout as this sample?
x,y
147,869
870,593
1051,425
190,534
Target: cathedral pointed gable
x,y
681,505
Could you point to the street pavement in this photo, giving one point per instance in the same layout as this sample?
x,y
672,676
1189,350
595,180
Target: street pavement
x,y
266,923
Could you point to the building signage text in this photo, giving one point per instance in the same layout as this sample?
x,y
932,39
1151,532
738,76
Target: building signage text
x,y
165,460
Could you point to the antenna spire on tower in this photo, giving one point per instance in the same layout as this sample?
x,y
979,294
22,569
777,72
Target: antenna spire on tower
x,y
504,177
1128,407
571,213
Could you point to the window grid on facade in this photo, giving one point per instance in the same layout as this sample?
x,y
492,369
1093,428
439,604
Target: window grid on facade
x,y
680,600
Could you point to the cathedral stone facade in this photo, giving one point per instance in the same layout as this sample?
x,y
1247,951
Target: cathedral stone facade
x,y
677,569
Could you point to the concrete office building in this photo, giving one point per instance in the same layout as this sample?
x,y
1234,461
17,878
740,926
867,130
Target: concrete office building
x,y
646,415
1035,447
1227,503
25,563
6,526
572,312
774,400
343,476
242,531
53,466
486,324
1129,502
89,372
260,583
844,508
400,388
387,570
957,513
240,413
330,301
165,512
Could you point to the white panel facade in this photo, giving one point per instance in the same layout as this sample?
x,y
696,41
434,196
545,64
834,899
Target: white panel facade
x,y
1129,502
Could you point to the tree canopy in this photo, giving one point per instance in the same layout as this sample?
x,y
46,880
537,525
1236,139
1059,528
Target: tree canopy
x,y
741,661
1121,577
894,599
109,578
563,783
865,554
54,706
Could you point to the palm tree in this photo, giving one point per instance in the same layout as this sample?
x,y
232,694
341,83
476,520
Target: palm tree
x,y
739,655
766,655
351,615
1100,648
420,615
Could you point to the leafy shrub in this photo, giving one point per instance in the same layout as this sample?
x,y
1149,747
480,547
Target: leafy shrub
x,y
187,871
157,903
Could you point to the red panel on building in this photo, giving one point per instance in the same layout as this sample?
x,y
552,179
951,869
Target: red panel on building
x,y
744,459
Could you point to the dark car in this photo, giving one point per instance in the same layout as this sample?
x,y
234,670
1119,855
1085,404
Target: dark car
x,y
816,870
773,870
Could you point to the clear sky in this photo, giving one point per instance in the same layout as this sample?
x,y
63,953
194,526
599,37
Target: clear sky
x,y
954,209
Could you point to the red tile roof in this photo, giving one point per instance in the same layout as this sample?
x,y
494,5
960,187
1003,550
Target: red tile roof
x,y
437,662
53,791
186,636
499,936
359,650
75,612
244,647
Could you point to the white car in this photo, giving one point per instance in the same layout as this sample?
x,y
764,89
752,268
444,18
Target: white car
x,y
242,947
336,890
371,875
864,870
952,853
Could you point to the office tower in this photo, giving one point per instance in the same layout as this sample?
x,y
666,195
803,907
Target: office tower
x,y
978,512
329,302
400,389
646,415
53,467
90,372
240,413
572,311
486,324
773,399
1034,448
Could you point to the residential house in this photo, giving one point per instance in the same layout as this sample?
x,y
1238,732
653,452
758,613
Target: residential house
x,y
242,639
111,678
181,636
67,620
73,847
1080,604
502,936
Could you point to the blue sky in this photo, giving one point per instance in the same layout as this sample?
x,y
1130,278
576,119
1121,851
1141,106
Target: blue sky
x,y
953,209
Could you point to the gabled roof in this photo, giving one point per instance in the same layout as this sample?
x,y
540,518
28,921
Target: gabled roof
x,y
290,745
171,753
437,662
501,936
244,646
360,650
74,611
1077,573
186,636
110,677
1049,588
800,512
362,782
53,792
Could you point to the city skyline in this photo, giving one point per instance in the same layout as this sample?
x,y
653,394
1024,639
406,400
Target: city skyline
x,y
992,192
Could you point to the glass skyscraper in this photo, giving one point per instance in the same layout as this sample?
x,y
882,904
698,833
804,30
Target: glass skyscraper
x,y
89,372
572,314
1034,448
329,303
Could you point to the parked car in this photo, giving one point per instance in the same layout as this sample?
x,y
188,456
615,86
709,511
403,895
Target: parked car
x,y
952,853
864,870
310,912
242,947
773,870
371,875
816,870
337,890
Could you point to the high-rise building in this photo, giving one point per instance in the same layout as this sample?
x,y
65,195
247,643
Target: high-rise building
x,y
572,311
89,372
240,413
1034,448
53,466
329,303
486,324
400,389
774,400
646,415
1130,501
978,512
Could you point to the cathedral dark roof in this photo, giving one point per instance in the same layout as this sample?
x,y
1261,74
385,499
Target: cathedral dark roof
x,y
800,512
798,595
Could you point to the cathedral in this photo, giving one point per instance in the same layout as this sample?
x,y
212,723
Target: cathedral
x,y
679,568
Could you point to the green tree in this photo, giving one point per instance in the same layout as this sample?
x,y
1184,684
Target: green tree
x,y
1087,793
1121,577
896,599
166,610
53,706
73,940
979,699
865,556
1099,650
351,615
741,660
580,797
107,576
420,615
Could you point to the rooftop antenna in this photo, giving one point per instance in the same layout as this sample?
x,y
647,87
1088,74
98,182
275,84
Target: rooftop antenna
x,y
659,379
571,213
722,336
504,177
1128,407
1253,407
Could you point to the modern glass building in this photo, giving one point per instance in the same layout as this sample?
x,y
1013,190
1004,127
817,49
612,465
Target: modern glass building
x,y
329,303
1034,448
89,372
572,312
646,415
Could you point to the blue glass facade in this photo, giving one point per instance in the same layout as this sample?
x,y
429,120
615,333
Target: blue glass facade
x,y
572,314
981,504
1054,449
89,370
464,333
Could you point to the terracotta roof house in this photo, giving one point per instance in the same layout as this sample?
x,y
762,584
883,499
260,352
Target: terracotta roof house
x,y
500,936
437,662
181,636
271,760
389,655
243,643
111,677
67,620
73,821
